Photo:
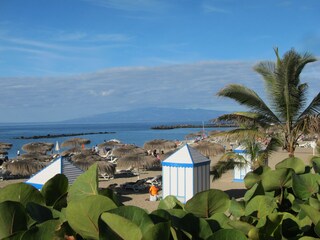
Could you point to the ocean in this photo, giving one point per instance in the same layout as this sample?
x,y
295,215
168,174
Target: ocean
x,y
131,133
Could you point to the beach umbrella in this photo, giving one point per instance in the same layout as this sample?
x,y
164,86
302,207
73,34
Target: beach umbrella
x,y
127,149
4,145
57,147
35,157
75,142
3,151
194,135
86,157
131,160
110,144
37,147
104,167
159,144
23,168
209,149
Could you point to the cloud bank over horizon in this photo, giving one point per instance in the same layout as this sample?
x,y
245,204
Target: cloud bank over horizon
x,y
186,86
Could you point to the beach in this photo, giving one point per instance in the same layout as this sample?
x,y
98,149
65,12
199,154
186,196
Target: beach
x,y
225,183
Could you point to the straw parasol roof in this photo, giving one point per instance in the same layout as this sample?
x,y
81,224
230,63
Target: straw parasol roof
x,y
110,144
75,142
23,168
86,157
104,167
3,151
34,156
38,147
194,135
159,144
209,149
132,160
127,149
4,145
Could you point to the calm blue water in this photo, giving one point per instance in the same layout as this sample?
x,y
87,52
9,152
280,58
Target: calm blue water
x,y
133,133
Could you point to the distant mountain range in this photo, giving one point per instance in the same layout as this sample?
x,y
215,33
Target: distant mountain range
x,y
151,115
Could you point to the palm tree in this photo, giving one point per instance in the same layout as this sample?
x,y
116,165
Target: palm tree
x,y
287,96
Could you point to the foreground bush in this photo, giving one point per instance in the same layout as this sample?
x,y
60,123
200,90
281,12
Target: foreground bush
x,y
279,204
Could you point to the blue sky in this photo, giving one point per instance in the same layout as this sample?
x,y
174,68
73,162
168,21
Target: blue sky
x,y
64,59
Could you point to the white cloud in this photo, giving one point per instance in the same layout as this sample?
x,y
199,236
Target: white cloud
x,y
183,86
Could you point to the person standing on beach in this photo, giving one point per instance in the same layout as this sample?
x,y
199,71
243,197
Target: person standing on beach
x,y
153,190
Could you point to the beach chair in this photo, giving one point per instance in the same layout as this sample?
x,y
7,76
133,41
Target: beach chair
x,y
137,186
157,181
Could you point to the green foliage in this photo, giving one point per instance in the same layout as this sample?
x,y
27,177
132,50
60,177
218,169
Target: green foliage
x,y
279,204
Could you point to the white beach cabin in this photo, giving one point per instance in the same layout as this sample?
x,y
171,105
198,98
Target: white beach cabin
x,y
185,173
60,165
240,172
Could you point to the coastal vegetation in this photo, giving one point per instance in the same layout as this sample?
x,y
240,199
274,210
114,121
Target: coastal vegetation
x,y
279,204
208,125
287,116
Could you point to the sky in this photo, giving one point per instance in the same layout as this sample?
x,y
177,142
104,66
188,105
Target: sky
x,y
66,59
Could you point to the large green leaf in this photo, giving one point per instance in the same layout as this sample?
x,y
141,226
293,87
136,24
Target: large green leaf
x,y
294,163
54,188
134,214
276,179
160,231
13,218
311,212
261,206
237,208
205,204
244,227
227,234
85,185
22,193
255,190
305,185
197,227
45,230
170,202
83,215
316,164
38,212
254,177
110,194
118,227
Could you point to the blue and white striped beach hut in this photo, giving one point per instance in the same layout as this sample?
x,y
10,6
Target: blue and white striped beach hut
x,y
240,171
60,165
185,173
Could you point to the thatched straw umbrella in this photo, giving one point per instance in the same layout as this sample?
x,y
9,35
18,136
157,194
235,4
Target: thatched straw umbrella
x,y
38,147
75,142
23,168
209,149
132,160
6,146
110,144
86,157
104,167
34,156
194,135
3,151
128,149
159,144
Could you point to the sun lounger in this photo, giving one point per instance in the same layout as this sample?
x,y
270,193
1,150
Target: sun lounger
x,y
157,181
139,185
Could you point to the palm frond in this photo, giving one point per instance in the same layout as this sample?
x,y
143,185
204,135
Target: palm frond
x,y
249,98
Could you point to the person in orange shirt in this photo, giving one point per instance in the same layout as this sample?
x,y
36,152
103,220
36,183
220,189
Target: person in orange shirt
x,y
153,190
